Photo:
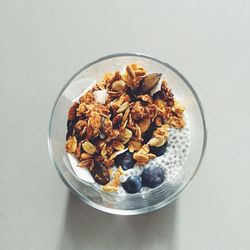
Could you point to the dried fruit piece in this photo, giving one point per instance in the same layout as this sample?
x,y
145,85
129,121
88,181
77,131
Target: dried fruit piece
x,y
100,174
71,144
88,147
72,111
148,82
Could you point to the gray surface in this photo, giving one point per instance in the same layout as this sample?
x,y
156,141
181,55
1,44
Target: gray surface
x,y
43,44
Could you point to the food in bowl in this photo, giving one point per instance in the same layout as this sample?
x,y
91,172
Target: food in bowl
x,y
129,131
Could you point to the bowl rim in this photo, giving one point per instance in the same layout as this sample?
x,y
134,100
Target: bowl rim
x,y
173,196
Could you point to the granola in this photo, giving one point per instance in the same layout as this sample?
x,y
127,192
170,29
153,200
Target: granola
x,y
116,115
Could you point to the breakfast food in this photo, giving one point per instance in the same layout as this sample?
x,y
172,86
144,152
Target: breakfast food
x,y
123,124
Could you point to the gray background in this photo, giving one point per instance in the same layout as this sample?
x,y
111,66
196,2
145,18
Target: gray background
x,y
43,43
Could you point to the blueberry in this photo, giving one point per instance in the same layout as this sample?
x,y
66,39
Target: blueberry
x,y
149,133
152,177
125,160
133,184
158,151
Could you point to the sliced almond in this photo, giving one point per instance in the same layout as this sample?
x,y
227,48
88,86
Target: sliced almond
x,y
123,107
125,115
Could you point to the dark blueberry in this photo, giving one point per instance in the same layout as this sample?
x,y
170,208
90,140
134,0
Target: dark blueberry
x,y
133,184
125,160
158,151
149,133
152,177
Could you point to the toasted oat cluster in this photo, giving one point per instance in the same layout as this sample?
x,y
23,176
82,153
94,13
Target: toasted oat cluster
x,y
130,111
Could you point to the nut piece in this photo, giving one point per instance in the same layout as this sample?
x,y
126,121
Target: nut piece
x,y
148,82
89,147
71,144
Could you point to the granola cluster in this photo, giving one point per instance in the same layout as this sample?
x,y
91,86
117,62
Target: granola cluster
x,y
115,115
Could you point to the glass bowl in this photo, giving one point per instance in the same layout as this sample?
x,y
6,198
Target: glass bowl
x,y
132,203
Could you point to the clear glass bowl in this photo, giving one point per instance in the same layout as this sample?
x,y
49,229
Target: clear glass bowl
x,y
132,203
